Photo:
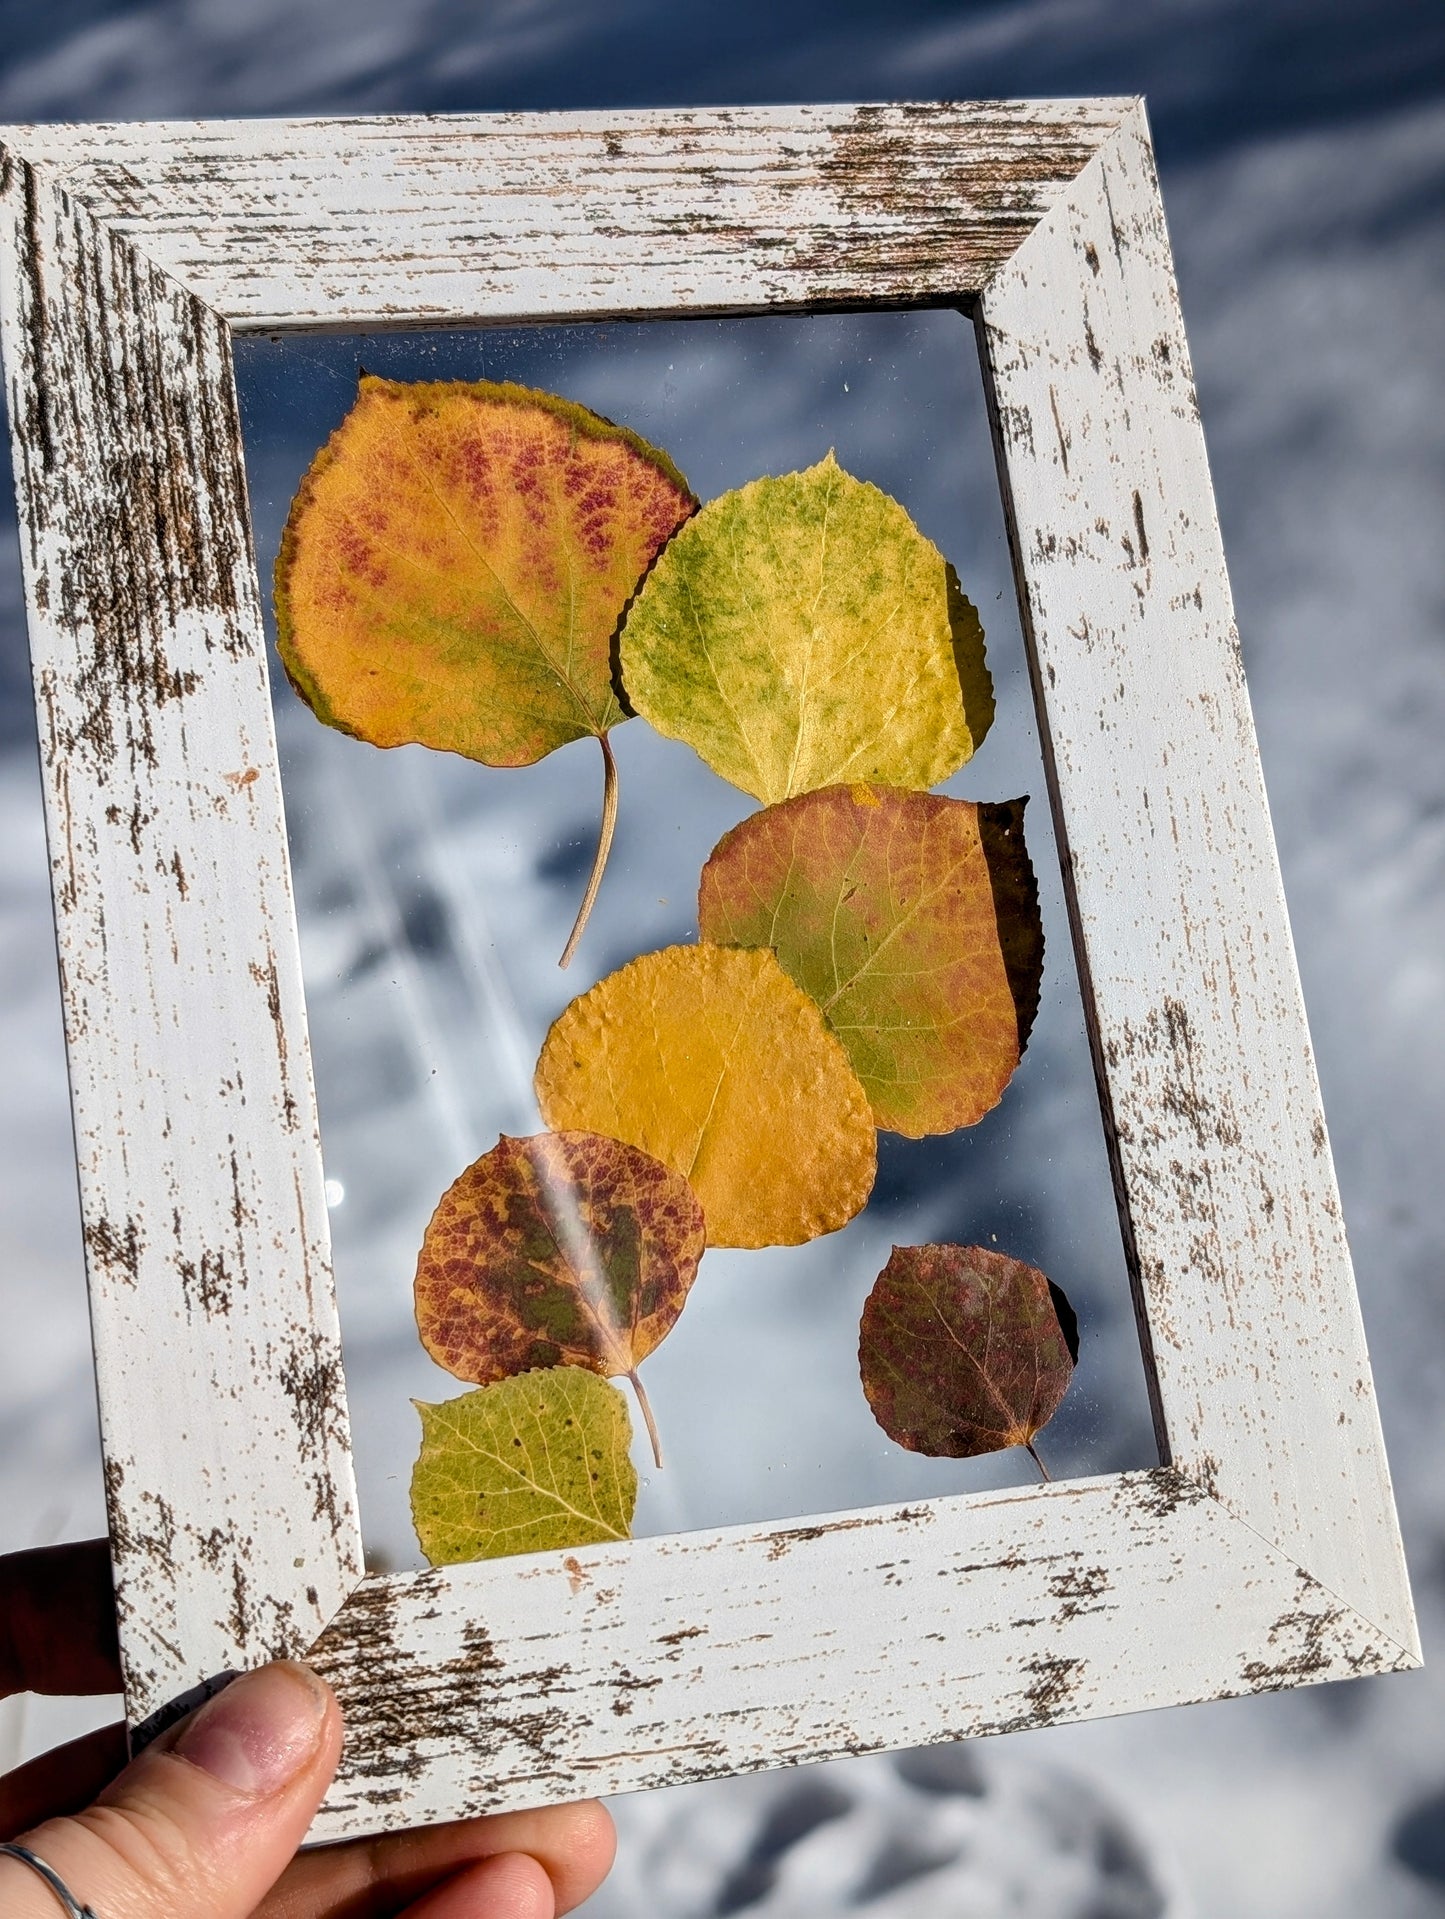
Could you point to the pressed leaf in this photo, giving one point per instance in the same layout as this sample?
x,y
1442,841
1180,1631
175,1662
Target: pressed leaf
x,y
568,1249
801,632
455,565
530,1463
456,562
898,913
713,1061
962,1351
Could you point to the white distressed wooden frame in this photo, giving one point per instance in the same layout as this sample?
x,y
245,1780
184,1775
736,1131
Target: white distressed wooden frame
x,y
1265,1552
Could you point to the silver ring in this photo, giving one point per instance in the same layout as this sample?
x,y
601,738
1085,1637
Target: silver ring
x,y
52,1878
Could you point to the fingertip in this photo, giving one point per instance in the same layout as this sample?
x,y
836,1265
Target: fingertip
x,y
576,1845
333,1726
207,1817
265,1733
49,1583
590,1853
509,1885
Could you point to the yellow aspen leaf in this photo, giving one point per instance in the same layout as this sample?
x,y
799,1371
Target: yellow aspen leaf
x,y
710,1059
568,1249
912,920
801,632
534,1462
455,565
964,1351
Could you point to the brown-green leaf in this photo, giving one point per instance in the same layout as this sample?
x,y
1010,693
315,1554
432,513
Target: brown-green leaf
x,y
455,565
899,913
533,1462
567,1249
801,632
714,1062
962,1351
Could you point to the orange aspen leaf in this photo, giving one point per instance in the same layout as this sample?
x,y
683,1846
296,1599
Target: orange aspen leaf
x,y
455,565
713,1061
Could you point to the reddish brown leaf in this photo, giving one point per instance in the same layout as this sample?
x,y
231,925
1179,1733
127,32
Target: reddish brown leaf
x,y
962,1351
567,1249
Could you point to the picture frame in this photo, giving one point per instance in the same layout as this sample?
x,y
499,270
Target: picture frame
x,y
1263,1553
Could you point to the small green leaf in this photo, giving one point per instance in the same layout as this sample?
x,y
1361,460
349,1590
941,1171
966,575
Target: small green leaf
x,y
523,1466
801,632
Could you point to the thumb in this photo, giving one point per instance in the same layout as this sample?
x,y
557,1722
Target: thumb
x,y
204,1822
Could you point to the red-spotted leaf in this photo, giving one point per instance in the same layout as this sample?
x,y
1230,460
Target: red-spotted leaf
x,y
962,1351
455,565
567,1249
912,920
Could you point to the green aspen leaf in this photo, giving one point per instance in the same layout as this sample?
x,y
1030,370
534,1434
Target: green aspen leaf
x,y
912,920
455,565
531,1463
714,1062
568,1249
801,632
962,1350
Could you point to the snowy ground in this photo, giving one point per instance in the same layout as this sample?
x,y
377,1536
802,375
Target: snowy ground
x,y
1307,221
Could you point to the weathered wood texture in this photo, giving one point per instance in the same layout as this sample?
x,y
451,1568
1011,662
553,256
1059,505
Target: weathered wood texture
x,y
671,1659
363,223
1225,1173
1266,1554
223,1420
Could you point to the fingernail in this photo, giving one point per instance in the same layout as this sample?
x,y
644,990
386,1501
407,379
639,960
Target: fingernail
x,y
259,1733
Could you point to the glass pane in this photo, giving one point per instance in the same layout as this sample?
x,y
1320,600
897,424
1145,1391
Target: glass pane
x,y
435,895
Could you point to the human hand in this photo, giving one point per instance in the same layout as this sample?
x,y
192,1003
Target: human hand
x,y
205,1823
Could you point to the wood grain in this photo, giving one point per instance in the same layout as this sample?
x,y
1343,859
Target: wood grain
x,y
223,1419
338,224
614,1669
1212,1100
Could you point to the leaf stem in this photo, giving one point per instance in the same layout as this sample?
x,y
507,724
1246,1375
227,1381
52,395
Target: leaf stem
x,y
604,847
1044,1472
651,1423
